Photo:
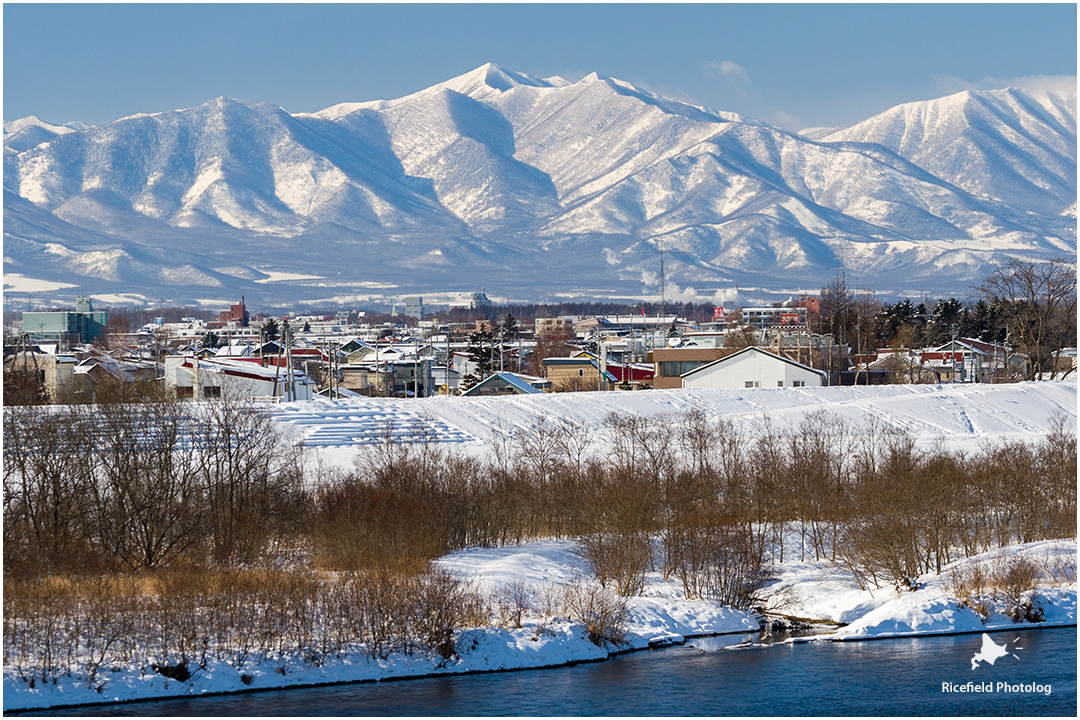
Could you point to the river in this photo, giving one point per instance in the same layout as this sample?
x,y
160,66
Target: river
x,y
882,677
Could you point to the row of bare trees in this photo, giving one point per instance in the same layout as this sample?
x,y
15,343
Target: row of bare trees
x,y
177,621
143,485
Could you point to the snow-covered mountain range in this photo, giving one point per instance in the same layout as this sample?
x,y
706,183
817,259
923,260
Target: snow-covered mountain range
x,y
535,189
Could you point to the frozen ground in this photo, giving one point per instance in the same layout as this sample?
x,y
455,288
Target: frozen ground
x,y
958,415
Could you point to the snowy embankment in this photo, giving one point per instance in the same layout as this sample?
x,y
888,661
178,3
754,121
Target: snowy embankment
x,y
810,590
960,416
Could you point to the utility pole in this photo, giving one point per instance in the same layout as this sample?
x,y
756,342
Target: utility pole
x,y
286,336
952,331
603,363
663,283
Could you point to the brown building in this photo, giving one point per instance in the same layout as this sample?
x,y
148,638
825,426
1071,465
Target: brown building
x,y
236,313
554,326
576,373
672,363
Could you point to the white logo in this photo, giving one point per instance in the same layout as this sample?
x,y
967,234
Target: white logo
x,y
991,651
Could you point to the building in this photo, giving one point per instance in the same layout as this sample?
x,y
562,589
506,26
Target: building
x,y
236,315
753,367
200,379
773,316
505,383
975,360
630,323
672,363
900,367
414,306
563,325
66,328
576,373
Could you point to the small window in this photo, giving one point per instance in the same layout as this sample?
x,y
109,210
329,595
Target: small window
x,y
779,383
751,383
581,372
798,383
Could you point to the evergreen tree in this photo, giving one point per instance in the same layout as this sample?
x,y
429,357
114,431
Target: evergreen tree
x,y
510,329
481,345
270,330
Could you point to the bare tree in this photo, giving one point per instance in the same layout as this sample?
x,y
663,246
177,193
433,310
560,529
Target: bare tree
x,y
1038,304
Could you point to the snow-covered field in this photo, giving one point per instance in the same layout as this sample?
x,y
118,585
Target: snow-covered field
x,y
960,416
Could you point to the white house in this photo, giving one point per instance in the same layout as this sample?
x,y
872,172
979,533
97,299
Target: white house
x,y
753,367
244,379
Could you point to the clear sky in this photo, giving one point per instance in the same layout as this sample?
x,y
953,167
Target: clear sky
x,y
794,65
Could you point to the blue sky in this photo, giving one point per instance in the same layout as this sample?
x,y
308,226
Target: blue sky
x,y
795,65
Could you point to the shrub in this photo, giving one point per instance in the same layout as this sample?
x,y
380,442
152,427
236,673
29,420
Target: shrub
x,y
603,613
1014,579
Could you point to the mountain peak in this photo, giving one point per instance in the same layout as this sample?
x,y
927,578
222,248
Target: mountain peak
x,y
490,77
15,126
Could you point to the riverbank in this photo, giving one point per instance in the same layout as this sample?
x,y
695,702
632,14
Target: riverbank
x,y
529,575
824,592
541,641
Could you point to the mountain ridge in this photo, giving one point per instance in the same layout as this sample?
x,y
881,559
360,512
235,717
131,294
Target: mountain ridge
x,y
470,181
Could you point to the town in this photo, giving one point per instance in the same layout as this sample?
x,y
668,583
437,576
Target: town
x,y
839,337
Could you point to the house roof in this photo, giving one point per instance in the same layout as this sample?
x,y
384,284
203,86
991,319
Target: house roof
x,y
750,349
514,381
250,370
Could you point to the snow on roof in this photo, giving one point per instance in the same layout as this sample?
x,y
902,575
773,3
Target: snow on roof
x,y
753,348
243,368
515,381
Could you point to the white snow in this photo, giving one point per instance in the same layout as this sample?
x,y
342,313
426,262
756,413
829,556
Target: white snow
x,y
21,283
960,416
821,592
277,276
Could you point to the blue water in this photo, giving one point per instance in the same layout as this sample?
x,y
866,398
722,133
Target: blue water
x,y
883,677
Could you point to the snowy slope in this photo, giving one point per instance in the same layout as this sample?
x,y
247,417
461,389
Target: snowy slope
x,y
1015,145
958,415
469,181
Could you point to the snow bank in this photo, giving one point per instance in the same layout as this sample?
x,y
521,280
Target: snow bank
x,y
481,650
812,590
660,615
